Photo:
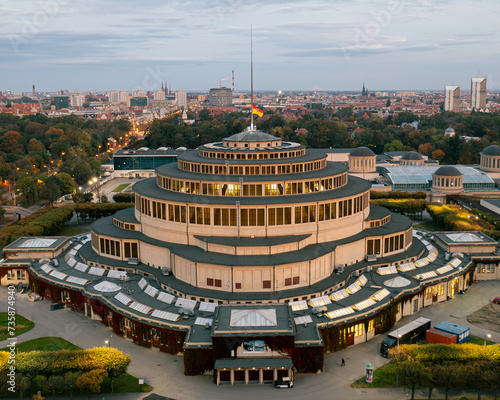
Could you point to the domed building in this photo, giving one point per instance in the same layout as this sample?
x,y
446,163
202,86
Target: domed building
x,y
490,159
411,158
252,256
450,132
362,163
446,180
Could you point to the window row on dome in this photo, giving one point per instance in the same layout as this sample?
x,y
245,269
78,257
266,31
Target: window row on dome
x,y
114,248
124,225
252,155
380,222
391,243
262,169
252,216
251,189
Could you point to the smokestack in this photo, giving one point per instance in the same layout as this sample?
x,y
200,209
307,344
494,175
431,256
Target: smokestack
x,y
233,81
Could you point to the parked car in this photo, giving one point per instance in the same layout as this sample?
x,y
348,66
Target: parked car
x,y
496,300
284,383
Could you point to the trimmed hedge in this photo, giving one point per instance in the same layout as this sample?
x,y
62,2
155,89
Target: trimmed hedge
x,y
45,221
397,195
411,206
95,211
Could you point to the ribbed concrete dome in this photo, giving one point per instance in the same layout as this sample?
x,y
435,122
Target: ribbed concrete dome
x,y
362,152
447,170
412,156
492,150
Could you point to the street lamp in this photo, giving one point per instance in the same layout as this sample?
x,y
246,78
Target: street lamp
x,y
485,336
108,342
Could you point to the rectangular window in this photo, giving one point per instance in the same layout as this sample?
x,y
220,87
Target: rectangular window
x,y
296,280
271,218
127,250
217,283
298,218
217,216
288,281
244,217
135,252
237,285
206,218
260,217
210,282
266,284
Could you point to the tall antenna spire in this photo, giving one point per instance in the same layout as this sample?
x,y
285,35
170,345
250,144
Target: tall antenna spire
x,y
251,79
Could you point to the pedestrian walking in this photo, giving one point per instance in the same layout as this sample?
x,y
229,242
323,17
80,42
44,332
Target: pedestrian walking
x,y
342,364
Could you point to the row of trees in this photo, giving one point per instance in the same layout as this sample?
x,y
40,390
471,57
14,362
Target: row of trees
x,y
455,218
324,129
91,212
45,221
35,144
448,366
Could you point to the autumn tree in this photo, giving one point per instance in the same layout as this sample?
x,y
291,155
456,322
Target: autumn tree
x,y
438,155
91,381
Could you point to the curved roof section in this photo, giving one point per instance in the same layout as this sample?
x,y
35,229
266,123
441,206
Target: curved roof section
x,y
397,282
362,152
448,170
149,188
172,171
194,156
413,156
492,150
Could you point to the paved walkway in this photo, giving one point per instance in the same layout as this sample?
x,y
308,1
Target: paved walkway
x,y
166,373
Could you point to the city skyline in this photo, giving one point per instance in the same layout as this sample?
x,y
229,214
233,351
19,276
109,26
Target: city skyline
x,y
389,45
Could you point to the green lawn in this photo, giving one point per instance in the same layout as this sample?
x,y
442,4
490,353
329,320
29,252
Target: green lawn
x,y
124,384
46,344
69,230
121,187
383,377
479,341
429,226
22,325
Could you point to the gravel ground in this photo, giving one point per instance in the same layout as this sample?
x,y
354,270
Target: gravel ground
x,y
487,317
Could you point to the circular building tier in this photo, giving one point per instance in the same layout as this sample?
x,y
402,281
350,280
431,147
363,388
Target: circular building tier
x,y
267,217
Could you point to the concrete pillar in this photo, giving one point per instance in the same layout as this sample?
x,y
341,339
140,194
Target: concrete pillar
x,y
246,376
218,377
261,376
231,376
290,373
275,374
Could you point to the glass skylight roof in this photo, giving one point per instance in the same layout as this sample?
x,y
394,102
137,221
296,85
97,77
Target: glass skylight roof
x,y
78,281
142,308
306,319
362,280
464,237
81,267
364,304
58,275
37,242
207,307
203,321
426,275
151,291
381,294
123,298
96,271
166,297
397,282
444,270
320,301
46,268
142,283
107,287
185,303
340,312
387,270
339,295
253,318
116,274
298,305
353,288
167,316
406,267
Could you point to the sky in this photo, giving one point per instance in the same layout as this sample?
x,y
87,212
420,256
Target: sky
x,y
330,45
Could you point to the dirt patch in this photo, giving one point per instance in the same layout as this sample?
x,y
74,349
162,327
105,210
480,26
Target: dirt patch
x,y
487,317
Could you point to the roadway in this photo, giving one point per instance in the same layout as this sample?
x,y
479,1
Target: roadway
x,y
166,373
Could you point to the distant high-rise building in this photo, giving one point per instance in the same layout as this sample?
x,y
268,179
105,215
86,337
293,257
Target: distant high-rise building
x,y
451,98
61,102
139,93
77,99
114,96
159,94
34,91
181,98
478,93
220,97
123,96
